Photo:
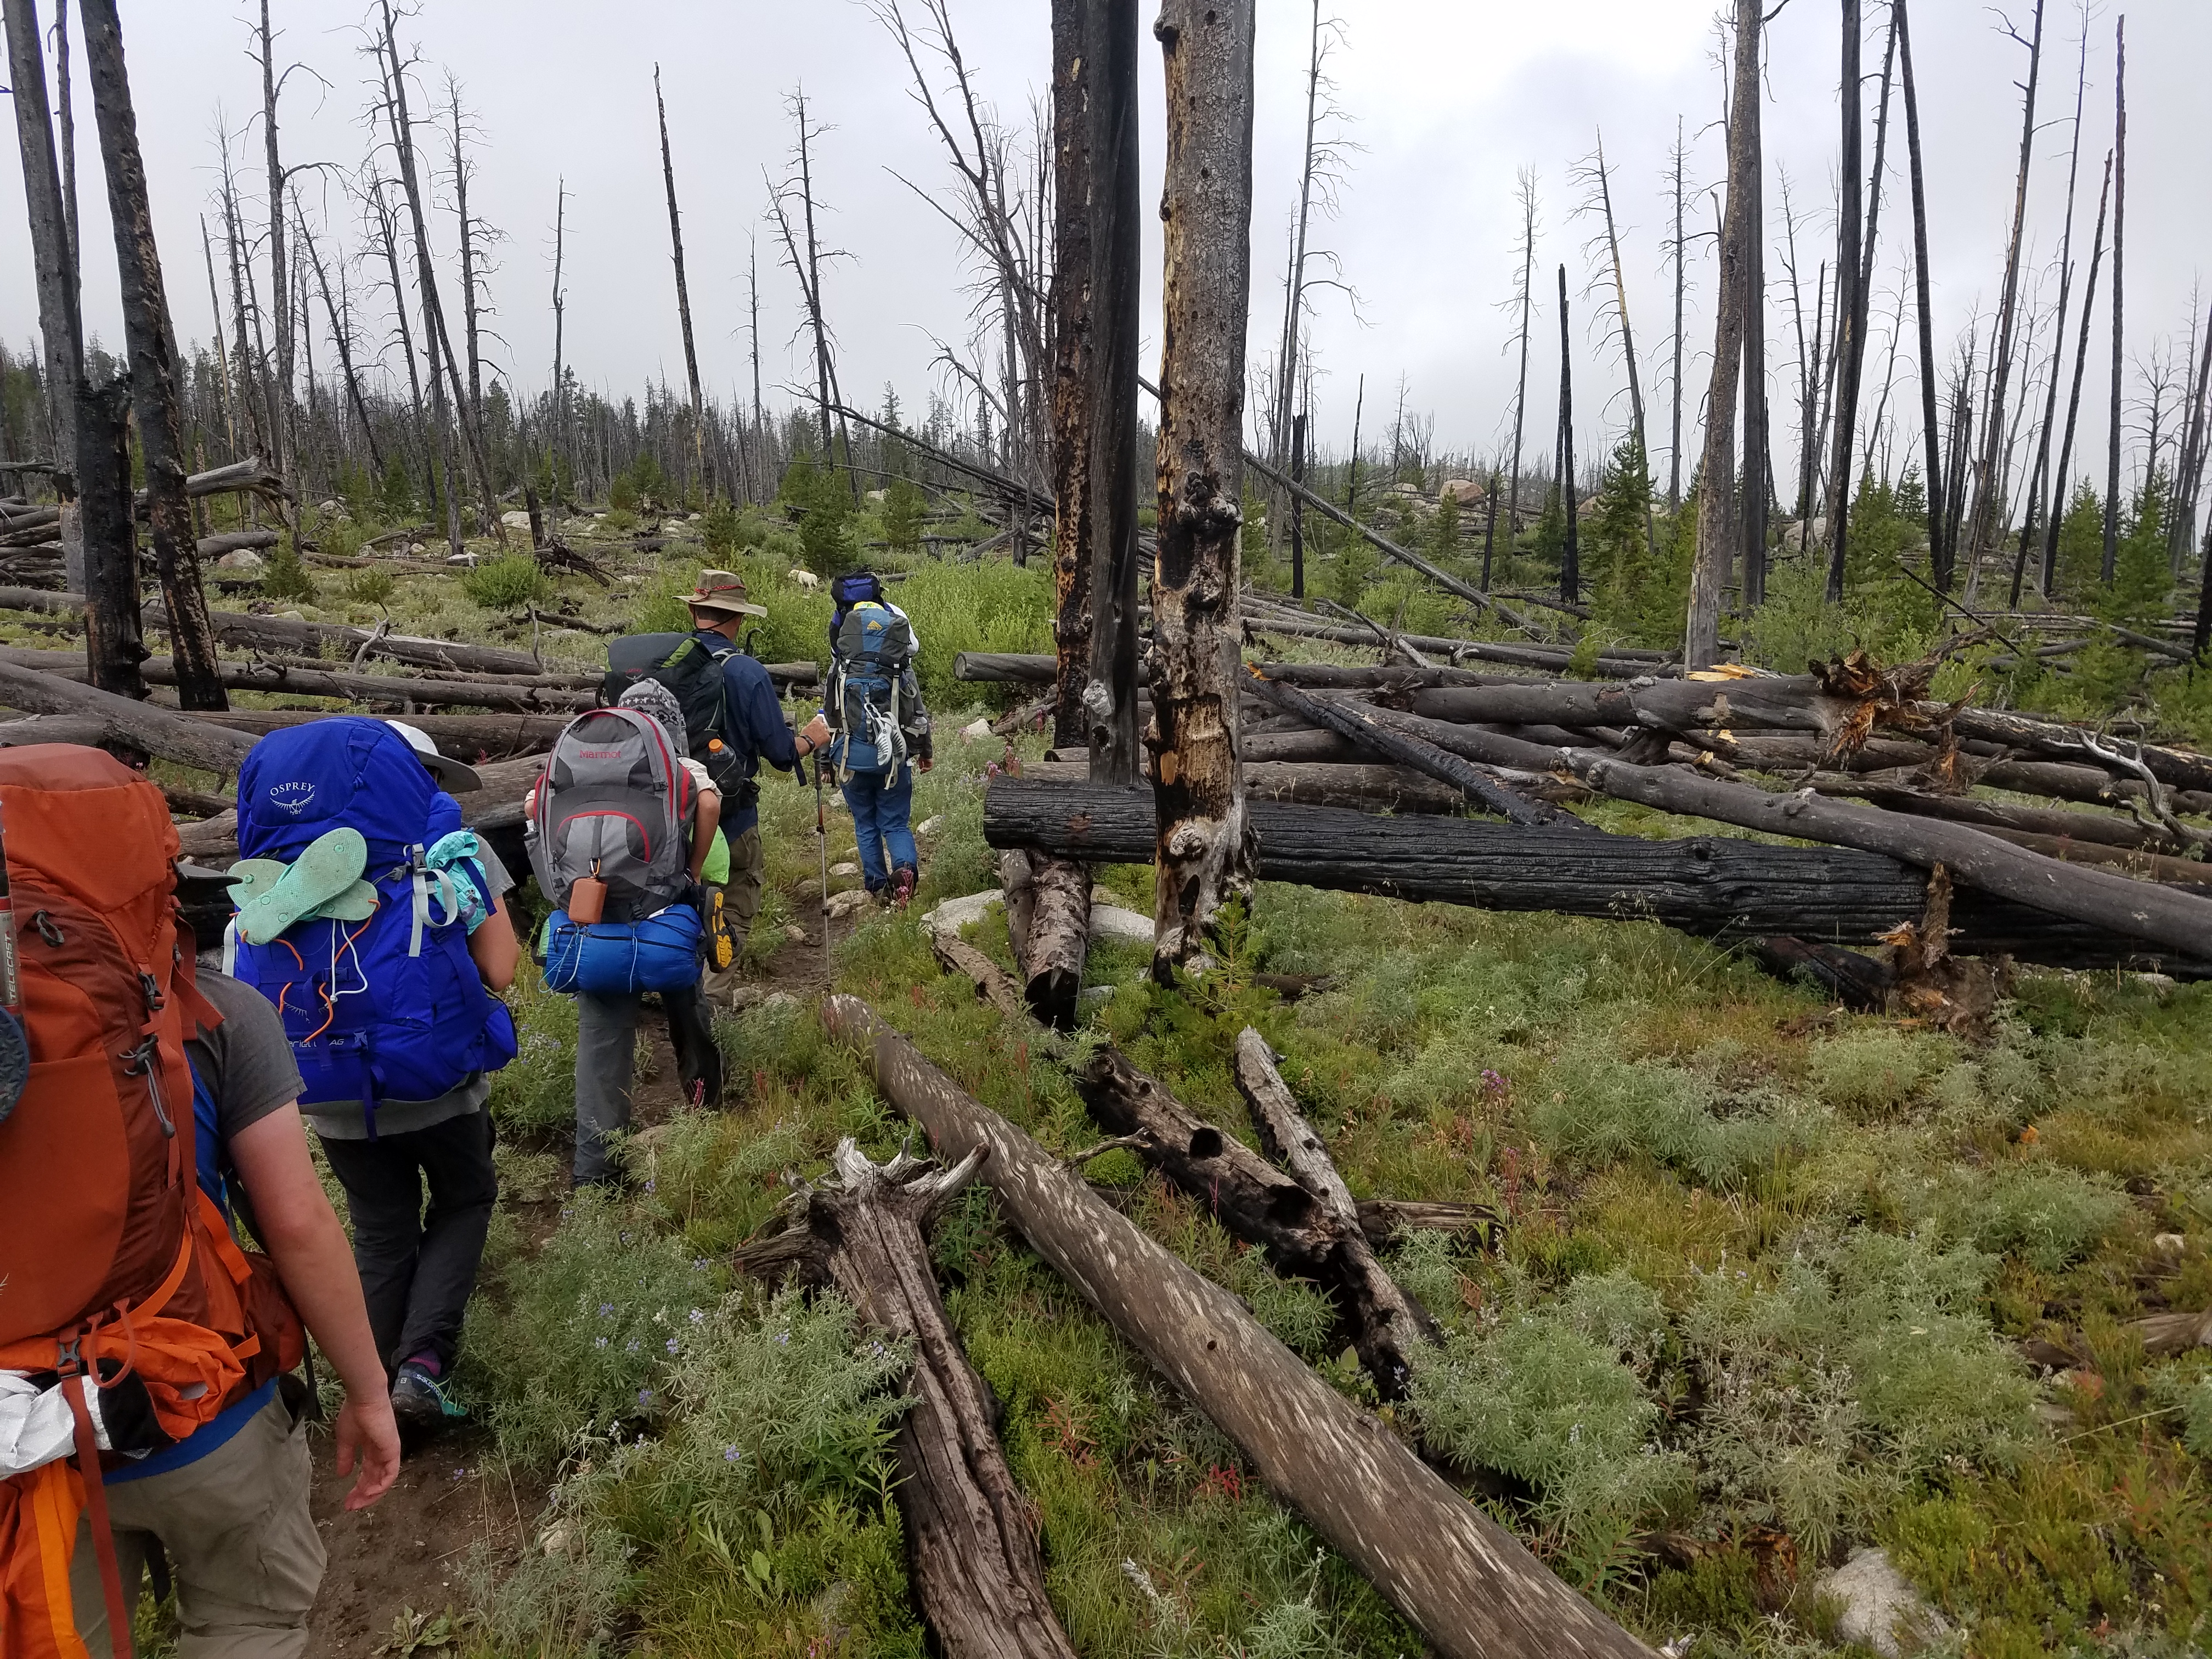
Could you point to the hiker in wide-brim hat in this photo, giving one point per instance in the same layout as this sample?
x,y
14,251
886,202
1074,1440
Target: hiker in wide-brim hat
x,y
722,593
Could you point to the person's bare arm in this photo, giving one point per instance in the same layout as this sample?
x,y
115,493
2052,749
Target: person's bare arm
x,y
706,819
494,948
303,1236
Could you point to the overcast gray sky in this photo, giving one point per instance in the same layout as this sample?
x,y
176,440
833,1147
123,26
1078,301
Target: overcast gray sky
x,y
1446,98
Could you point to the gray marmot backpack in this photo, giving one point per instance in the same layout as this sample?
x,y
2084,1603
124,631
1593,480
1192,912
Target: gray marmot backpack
x,y
615,802
868,662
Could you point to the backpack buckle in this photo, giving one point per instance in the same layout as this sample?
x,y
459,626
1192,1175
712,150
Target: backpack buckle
x,y
68,1357
152,988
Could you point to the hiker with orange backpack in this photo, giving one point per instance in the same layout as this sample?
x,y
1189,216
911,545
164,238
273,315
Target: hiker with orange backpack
x,y
376,924
146,1388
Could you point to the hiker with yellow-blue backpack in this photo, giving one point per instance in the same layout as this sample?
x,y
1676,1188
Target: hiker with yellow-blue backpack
x,y
878,726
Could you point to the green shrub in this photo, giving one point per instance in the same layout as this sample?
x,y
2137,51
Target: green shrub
x,y
1876,1070
720,529
2188,1395
535,1092
2046,1214
507,584
371,586
595,1322
1599,1111
1543,1395
903,502
284,575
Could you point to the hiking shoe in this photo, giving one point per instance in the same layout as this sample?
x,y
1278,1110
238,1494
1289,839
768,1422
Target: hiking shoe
x,y
902,884
419,1402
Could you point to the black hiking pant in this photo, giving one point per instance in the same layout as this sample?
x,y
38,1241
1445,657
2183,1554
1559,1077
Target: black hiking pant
x,y
418,1269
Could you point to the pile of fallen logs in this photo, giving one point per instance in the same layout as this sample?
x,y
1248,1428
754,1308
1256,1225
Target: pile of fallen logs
x,y
1890,786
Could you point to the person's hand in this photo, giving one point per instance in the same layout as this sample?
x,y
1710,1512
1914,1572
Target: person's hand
x,y
367,1432
816,732
924,763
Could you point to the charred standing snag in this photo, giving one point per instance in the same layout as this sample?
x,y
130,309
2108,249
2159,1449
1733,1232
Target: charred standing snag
x,y
976,1570
1204,852
1469,1587
152,343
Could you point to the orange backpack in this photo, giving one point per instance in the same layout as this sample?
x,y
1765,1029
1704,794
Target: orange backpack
x,y
118,1273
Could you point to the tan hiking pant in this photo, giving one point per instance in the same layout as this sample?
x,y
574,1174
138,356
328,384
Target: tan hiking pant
x,y
741,893
242,1547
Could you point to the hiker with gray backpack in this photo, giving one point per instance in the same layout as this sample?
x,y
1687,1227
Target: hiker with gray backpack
x,y
877,724
623,831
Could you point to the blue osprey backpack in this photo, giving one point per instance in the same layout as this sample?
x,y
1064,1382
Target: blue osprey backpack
x,y
390,1007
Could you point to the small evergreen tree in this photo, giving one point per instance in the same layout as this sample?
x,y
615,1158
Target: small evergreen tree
x,y
2080,544
1618,553
903,503
2142,577
1443,528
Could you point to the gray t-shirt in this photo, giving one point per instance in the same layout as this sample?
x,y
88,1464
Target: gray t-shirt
x,y
246,1062
344,1120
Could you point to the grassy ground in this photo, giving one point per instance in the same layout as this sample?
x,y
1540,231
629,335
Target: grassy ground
x,y
1761,1297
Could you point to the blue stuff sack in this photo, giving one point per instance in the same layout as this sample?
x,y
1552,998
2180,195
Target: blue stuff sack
x,y
660,952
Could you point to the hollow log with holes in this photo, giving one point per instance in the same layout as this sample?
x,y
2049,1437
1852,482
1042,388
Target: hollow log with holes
x,y
977,1571
1058,939
1711,885
1465,1583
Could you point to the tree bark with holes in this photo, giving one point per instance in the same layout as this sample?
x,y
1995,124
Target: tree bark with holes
x,y
977,1571
1469,1587
152,345
1204,850
1717,472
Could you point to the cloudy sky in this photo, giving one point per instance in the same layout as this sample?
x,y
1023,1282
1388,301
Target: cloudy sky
x,y
1445,99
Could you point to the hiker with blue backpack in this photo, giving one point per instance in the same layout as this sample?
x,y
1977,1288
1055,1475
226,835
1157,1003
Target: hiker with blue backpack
x,y
375,924
623,835
734,721
877,724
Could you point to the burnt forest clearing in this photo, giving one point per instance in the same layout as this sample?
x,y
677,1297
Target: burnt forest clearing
x,y
1585,1034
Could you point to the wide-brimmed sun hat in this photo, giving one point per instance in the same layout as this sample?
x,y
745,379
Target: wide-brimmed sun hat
x,y
454,777
722,591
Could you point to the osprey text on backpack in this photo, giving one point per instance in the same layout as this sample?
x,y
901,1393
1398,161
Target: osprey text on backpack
x,y
613,807
130,1316
867,669
388,1005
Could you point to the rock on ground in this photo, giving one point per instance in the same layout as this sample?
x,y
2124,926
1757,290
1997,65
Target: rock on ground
x,y
1112,921
1880,1608
955,913
244,561
842,905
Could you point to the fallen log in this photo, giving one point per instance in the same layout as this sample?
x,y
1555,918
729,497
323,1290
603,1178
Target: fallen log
x,y
1367,789
1860,982
1714,886
2176,766
1376,1303
1350,720
976,1568
236,541
464,737
2178,921
2052,823
999,668
144,727
1467,1584
278,679
494,806
1058,940
992,982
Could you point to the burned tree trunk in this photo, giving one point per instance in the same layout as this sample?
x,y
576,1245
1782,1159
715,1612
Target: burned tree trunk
x,y
699,455
2042,473
1851,309
88,435
1059,938
151,341
1939,551
1204,852
1571,556
973,1555
1709,575
2119,295
1983,521
1469,1587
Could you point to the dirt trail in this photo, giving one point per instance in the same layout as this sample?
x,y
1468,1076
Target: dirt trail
x,y
403,1556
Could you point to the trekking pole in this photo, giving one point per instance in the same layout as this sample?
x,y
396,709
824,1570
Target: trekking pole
x,y
822,839
14,1047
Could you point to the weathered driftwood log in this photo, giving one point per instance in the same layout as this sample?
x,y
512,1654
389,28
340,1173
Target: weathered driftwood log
x,y
1376,1303
976,1568
1350,720
235,541
1302,1233
1381,1219
992,982
2172,766
1470,1587
2168,917
156,730
2053,823
1715,886
1058,939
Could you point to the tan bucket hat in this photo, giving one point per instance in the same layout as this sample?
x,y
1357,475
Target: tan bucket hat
x,y
723,591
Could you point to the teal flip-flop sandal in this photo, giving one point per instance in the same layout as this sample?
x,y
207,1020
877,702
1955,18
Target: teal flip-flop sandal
x,y
327,871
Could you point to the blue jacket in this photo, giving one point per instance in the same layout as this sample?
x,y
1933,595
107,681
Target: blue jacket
x,y
752,724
